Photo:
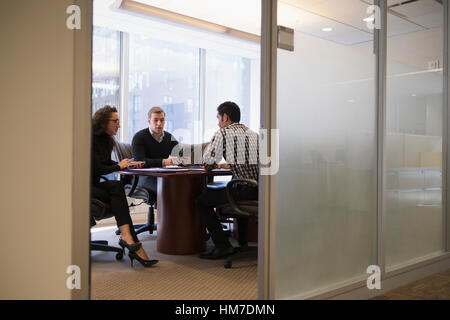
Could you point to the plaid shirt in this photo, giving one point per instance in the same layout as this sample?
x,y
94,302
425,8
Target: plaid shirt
x,y
239,146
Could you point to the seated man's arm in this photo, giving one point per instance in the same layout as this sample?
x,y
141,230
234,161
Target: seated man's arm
x,y
214,151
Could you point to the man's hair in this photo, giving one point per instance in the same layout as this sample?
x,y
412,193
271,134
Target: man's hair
x,y
155,110
231,109
101,119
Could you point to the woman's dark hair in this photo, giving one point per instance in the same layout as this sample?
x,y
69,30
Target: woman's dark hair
x,y
101,119
231,109
100,122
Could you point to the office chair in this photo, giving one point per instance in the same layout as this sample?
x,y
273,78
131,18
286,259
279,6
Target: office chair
x,y
102,210
235,209
123,151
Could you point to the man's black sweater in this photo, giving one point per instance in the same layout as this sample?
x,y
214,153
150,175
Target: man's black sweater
x,y
146,148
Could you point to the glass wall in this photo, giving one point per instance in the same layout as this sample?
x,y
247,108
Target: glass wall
x,y
414,216
325,233
326,189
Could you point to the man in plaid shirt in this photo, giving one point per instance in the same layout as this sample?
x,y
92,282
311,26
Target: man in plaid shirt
x,y
238,145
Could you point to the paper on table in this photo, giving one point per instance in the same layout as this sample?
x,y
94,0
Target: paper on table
x,y
177,169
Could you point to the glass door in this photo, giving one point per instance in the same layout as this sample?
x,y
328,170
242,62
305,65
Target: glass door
x,y
326,187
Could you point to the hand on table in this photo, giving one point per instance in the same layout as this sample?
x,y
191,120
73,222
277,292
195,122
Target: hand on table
x,y
136,164
124,163
168,162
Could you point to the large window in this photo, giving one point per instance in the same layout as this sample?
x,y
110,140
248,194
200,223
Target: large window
x,y
105,68
188,81
166,75
228,79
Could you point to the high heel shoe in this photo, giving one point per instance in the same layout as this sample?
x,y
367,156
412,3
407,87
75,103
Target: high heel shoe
x,y
145,263
131,247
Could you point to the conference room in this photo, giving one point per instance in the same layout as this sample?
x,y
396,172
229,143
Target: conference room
x,y
140,61
350,98
333,164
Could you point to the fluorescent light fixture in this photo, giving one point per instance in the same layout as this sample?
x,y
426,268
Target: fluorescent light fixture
x,y
327,29
147,11
369,19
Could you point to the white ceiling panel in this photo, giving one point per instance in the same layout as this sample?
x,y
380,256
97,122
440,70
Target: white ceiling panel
x,y
405,18
427,13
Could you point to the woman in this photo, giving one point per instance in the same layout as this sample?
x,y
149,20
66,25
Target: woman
x,y
105,125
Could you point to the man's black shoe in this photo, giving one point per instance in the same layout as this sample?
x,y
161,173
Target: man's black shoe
x,y
217,254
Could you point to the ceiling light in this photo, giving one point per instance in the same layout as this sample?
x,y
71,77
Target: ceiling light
x,y
327,29
142,9
369,19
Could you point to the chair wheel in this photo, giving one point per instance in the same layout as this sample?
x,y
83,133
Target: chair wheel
x,y
119,256
227,264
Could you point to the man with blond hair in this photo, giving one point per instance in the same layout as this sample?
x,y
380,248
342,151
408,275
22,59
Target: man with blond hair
x,y
153,145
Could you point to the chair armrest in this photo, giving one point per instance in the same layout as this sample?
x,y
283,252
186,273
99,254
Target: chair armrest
x,y
233,184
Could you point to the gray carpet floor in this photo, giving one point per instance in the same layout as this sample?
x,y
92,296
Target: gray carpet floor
x,y
173,278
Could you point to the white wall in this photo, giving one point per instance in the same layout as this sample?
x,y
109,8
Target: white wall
x,y
41,150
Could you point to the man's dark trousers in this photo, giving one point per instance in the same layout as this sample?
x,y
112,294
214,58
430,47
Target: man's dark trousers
x,y
212,198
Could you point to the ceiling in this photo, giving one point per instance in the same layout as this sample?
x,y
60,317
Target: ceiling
x,y
345,17
107,17
243,15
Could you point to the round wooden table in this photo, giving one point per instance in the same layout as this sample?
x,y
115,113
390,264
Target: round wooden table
x,y
180,229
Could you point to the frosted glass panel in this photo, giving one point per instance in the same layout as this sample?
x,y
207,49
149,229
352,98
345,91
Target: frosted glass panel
x,y
325,232
414,217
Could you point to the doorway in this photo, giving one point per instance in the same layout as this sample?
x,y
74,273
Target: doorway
x,y
141,60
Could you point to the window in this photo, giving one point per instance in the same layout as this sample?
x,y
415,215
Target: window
x,y
188,82
105,68
167,75
227,79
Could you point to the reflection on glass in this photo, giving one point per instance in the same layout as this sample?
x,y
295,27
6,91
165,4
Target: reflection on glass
x,y
105,68
414,217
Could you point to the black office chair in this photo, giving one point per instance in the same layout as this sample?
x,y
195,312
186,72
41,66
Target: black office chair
x,y
123,151
235,209
101,210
